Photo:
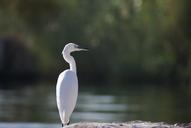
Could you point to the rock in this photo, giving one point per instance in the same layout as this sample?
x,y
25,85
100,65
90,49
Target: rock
x,y
131,124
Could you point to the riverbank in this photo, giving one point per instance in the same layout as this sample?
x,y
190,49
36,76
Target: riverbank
x,y
132,124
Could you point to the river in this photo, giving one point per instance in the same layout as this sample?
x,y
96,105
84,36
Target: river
x,y
33,105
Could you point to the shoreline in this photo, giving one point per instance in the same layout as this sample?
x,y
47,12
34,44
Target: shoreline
x,y
131,124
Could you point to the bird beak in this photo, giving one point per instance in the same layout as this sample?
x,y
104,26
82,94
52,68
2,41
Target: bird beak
x,y
82,49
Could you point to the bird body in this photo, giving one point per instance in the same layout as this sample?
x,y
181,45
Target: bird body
x,y
66,101
67,85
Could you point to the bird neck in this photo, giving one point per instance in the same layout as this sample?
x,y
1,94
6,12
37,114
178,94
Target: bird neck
x,y
70,59
72,64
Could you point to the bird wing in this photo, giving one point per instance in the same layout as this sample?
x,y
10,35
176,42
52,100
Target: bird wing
x,y
66,94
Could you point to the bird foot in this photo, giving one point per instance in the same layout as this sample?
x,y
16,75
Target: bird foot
x,y
66,124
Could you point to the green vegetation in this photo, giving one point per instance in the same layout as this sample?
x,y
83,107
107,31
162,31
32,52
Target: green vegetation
x,y
129,40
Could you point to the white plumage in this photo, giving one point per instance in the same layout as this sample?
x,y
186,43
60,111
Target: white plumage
x,y
67,85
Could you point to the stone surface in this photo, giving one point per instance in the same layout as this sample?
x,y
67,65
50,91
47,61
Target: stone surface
x,y
132,124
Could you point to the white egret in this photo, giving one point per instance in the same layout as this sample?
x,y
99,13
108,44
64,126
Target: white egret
x,y
67,85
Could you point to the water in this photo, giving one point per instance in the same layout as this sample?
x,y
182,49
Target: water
x,y
34,105
29,125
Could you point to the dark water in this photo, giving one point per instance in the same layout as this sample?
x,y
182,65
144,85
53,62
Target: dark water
x,y
34,105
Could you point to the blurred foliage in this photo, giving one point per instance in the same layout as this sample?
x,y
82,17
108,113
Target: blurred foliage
x,y
129,40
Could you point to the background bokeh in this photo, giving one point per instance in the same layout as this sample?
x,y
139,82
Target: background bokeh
x,y
139,50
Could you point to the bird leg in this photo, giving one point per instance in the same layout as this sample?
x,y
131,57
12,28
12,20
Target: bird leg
x,y
68,123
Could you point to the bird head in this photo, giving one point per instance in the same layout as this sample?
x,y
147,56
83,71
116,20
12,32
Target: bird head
x,y
71,47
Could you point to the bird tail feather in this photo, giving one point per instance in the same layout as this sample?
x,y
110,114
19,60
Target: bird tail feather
x,y
65,120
